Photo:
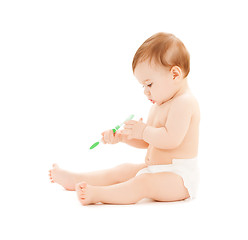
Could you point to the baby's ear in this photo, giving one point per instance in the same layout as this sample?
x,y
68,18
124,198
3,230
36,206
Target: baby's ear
x,y
176,72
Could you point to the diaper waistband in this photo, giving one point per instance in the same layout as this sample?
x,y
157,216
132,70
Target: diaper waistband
x,y
181,161
191,162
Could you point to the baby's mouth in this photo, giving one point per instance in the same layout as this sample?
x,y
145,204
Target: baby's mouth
x,y
152,101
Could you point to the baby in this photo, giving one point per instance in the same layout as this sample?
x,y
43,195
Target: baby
x,y
170,170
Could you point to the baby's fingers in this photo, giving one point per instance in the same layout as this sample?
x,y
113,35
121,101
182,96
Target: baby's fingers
x,y
107,137
104,142
128,126
126,132
111,136
130,122
118,136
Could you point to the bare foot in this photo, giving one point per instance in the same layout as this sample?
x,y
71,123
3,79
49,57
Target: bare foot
x,y
86,193
64,178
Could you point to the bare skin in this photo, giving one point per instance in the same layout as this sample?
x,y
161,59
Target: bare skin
x,y
171,132
106,177
65,178
127,191
143,186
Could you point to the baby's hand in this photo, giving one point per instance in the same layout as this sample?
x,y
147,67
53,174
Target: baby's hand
x,y
110,137
134,129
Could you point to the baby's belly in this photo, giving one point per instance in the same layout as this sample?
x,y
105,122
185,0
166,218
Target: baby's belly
x,y
157,156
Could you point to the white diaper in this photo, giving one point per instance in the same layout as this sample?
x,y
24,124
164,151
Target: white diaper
x,y
186,168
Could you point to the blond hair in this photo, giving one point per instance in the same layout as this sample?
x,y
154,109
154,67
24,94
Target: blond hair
x,y
166,50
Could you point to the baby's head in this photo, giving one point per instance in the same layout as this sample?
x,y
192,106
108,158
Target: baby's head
x,y
161,64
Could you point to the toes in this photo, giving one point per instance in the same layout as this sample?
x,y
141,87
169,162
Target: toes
x,y
82,197
55,165
50,176
83,185
80,188
51,179
77,186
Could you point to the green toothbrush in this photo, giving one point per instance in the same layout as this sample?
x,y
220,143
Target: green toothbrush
x,y
114,130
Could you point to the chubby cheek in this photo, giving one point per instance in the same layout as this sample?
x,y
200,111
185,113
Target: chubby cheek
x,y
163,95
160,93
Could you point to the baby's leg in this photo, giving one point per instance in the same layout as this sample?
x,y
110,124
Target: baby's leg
x,y
164,186
106,177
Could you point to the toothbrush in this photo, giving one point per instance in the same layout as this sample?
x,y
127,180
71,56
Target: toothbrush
x,y
114,130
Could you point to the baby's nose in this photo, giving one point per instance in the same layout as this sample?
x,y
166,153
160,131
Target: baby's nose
x,y
146,91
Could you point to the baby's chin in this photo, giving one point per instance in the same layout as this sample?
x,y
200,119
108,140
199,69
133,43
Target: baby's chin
x,y
161,102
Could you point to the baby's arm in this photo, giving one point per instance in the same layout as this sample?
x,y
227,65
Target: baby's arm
x,y
138,143
118,136
172,134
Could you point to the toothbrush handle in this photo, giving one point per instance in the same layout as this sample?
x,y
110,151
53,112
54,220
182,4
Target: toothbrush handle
x,y
119,126
116,128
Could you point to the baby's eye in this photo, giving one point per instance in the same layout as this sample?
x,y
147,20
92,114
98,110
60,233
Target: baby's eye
x,y
149,85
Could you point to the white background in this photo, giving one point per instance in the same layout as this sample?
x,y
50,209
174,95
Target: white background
x,y
66,76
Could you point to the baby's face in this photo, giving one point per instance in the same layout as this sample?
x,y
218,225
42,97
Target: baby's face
x,y
157,80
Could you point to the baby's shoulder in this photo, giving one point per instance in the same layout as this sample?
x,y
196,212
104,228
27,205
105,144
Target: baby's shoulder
x,y
186,98
185,101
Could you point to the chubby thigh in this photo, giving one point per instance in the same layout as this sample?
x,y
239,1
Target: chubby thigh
x,y
165,186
